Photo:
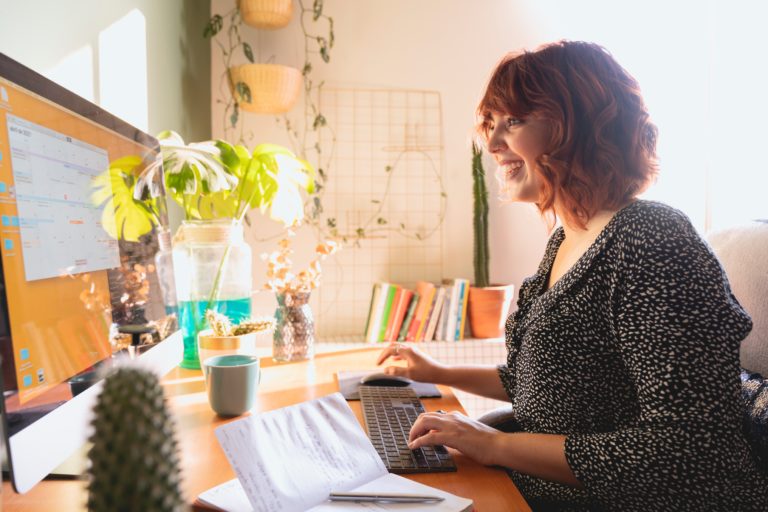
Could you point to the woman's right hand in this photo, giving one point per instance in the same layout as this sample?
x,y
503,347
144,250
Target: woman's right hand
x,y
420,367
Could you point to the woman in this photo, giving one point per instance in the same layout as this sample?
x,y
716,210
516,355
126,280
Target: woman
x,y
622,367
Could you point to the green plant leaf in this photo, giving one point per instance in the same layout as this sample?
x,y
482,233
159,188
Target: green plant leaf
x,y
230,157
243,91
306,70
319,121
218,205
123,216
248,52
331,37
317,10
235,114
215,24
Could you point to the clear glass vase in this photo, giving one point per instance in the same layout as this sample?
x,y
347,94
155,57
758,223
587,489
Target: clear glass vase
x,y
213,270
294,336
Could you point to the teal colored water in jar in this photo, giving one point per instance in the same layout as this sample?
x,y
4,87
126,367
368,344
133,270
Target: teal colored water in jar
x,y
212,265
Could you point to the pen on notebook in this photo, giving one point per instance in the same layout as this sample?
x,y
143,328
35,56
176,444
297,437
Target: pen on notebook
x,y
384,497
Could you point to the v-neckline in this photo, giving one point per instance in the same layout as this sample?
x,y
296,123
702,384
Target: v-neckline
x,y
575,271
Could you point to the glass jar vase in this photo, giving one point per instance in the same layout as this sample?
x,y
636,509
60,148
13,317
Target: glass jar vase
x,y
213,270
294,336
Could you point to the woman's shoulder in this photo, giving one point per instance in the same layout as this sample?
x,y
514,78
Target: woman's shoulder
x,y
647,228
653,217
652,224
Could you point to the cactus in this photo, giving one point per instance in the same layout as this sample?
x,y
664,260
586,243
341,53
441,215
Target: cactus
x,y
480,194
134,461
222,326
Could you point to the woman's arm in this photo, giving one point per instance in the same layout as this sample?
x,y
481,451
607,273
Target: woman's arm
x,y
539,455
481,380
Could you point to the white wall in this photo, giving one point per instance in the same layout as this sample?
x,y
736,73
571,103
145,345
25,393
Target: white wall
x,y
452,45
66,41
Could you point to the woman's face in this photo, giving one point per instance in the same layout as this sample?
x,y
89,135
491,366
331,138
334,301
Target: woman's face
x,y
516,143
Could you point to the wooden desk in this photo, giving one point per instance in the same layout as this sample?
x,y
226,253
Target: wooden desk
x,y
204,464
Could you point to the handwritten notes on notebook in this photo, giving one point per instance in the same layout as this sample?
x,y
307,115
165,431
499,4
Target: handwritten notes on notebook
x,y
291,459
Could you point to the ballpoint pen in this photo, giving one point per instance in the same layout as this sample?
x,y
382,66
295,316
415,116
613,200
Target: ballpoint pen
x,y
384,497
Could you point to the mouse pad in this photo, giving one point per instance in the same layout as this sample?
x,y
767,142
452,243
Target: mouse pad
x,y
349,382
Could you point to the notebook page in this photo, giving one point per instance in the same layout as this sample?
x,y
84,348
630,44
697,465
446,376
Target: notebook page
x,y
290,459
231,497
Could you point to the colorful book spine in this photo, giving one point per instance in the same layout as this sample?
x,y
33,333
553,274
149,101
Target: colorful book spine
x,y
453,311
426,291
403,334
442,321
464,299
385,317
399,308
429,332
372,335
372,310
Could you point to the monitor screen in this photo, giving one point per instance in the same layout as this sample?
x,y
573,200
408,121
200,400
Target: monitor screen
x,y
67,287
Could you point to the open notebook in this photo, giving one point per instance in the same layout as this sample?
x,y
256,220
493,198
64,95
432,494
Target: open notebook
x,y
292,458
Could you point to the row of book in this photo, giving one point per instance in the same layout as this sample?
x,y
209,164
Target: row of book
x,y
430,312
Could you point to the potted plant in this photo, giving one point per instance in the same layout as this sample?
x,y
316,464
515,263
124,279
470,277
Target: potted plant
x,y
488,304
216,184
226,337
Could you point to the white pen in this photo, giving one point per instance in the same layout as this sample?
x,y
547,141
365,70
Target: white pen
x,y
384,497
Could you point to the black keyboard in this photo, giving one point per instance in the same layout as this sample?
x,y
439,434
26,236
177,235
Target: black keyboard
x,y
389,413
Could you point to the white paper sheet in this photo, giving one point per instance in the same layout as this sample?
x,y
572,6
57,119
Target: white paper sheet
x,y
231,497
291,459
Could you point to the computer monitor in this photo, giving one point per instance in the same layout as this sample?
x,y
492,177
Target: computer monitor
x,y
66,286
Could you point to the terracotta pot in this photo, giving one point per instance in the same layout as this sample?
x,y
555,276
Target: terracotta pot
x,y
274,88
488,310
268,14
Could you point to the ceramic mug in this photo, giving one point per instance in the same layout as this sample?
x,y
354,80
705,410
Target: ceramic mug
x,y
232,381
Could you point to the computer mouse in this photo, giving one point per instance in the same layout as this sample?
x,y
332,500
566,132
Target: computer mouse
x,y
382,379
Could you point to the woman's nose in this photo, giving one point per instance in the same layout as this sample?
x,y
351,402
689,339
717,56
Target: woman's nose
x,y
496,142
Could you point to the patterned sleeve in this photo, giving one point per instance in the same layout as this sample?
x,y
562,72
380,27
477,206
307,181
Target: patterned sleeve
x,y
678,329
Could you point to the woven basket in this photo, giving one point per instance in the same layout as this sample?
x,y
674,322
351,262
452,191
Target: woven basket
x,y
268,14
274,88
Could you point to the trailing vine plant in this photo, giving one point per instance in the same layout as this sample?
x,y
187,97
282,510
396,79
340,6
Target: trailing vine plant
x,y
306,134
310,136
232,44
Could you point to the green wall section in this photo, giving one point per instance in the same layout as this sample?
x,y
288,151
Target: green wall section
x,y
41,33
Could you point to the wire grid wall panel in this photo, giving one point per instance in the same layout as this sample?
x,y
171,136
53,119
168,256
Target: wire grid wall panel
x,y
385,180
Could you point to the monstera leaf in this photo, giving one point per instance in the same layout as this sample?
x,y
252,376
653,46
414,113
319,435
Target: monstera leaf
x,y
210,180
123,216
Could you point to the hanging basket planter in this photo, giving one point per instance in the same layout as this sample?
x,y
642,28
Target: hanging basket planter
x,y
273,88
267,14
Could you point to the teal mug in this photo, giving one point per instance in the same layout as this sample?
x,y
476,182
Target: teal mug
x,y
232,381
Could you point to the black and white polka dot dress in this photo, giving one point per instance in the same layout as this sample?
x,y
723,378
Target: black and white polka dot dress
x,y
633,356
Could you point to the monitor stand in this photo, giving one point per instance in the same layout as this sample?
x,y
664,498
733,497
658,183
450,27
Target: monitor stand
x,y
72,468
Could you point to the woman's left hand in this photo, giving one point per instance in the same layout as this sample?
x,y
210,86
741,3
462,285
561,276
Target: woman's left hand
x,y
472,438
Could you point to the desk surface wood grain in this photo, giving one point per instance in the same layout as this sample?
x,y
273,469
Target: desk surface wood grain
x,y
204,464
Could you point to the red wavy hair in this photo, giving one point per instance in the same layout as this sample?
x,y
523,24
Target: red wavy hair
x,y
602,149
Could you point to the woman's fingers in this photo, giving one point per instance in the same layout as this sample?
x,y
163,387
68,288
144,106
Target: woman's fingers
x,y
431,438
388,352
426,423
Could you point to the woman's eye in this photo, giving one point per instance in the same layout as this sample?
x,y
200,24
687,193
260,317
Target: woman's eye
x,y
513,121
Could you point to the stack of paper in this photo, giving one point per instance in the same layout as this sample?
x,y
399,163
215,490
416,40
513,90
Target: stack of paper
x,y
291,459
